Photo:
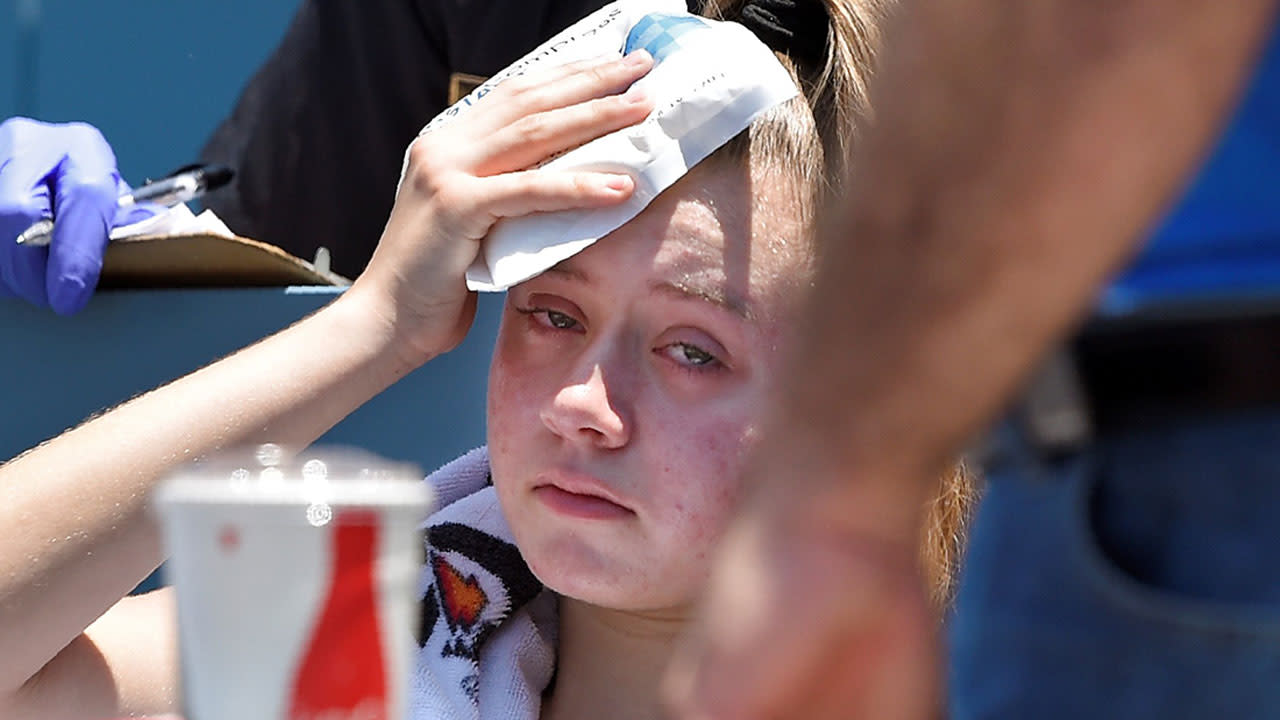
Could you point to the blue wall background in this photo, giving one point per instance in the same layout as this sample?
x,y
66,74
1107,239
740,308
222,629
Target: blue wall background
x,y
156,76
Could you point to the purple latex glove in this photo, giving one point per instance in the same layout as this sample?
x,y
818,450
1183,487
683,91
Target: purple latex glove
x,y
67,172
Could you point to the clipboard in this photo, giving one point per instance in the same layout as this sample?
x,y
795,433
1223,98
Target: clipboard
x,y
190,260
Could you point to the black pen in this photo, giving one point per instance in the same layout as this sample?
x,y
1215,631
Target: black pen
x,y
186,184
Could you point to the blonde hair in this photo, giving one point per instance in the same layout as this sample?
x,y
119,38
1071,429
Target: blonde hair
x,y
812,136
812,139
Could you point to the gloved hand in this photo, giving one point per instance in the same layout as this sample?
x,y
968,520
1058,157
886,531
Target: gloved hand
x,y
67,172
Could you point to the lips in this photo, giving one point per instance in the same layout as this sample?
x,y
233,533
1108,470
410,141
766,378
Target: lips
x,y
579,495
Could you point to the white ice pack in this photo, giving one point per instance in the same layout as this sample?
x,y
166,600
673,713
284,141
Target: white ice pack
x,y
709,81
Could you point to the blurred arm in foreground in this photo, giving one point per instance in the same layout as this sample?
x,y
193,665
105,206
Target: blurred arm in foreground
x,y
1021,152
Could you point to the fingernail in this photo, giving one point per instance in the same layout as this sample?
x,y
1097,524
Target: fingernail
x,y
618,182
636,58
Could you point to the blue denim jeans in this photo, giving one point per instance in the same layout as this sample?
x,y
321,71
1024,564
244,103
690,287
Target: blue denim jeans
x,y
1139,578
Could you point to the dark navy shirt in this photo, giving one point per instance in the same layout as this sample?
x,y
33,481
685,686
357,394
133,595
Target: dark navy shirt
x,y
318,136
1222,239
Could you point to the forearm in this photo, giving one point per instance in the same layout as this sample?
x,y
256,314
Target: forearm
x,y
1021,151
76,511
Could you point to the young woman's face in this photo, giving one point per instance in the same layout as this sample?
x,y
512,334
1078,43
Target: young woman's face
x,y
628,383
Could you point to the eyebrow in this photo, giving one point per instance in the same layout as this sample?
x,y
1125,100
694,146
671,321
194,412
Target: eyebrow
x,y
680,290
716,296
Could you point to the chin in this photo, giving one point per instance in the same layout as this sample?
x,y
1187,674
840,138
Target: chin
x,y
610,584
577,571
598,594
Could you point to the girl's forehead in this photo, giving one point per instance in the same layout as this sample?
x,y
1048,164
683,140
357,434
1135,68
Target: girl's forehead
x,y
712,232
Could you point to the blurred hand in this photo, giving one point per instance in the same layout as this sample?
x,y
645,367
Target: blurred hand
x,y
67,172
810,614
463,177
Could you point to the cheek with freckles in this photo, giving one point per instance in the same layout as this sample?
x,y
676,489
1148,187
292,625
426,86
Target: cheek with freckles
x,y
512,401
699,487
499,407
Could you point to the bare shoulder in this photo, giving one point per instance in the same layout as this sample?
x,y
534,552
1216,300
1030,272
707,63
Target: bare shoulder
x,y
125,663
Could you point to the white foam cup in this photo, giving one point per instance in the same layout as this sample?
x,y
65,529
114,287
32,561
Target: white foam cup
x,y
296,582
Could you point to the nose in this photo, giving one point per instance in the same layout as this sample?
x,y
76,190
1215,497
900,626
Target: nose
x,y
582,412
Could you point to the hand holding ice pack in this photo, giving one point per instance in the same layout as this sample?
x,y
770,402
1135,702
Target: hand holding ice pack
x,y
709,81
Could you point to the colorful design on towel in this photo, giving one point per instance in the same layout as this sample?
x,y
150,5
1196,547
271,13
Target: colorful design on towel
x,y
478,581
659,33
462,597
487,648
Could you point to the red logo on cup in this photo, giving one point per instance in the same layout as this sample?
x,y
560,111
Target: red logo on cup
x,y
341,676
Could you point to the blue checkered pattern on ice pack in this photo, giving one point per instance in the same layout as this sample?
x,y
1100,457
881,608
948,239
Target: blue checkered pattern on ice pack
x,y
659,33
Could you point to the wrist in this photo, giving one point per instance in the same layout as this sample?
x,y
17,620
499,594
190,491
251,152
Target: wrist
x,y
378,319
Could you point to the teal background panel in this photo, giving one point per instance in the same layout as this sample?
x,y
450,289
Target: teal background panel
x,y
156,76
55,372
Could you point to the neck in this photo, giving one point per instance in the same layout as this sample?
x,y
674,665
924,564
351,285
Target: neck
x,y
610,660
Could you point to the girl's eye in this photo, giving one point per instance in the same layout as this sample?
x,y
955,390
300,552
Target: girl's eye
x,y
551,319
691,356
558,320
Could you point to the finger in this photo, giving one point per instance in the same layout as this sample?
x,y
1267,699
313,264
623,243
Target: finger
x,y
526,95
24,199
84,206
134,213
533,138
543,75
24,196
535,191
22,271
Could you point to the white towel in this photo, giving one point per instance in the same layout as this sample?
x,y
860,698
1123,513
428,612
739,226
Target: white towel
x,y
709,81
487,647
